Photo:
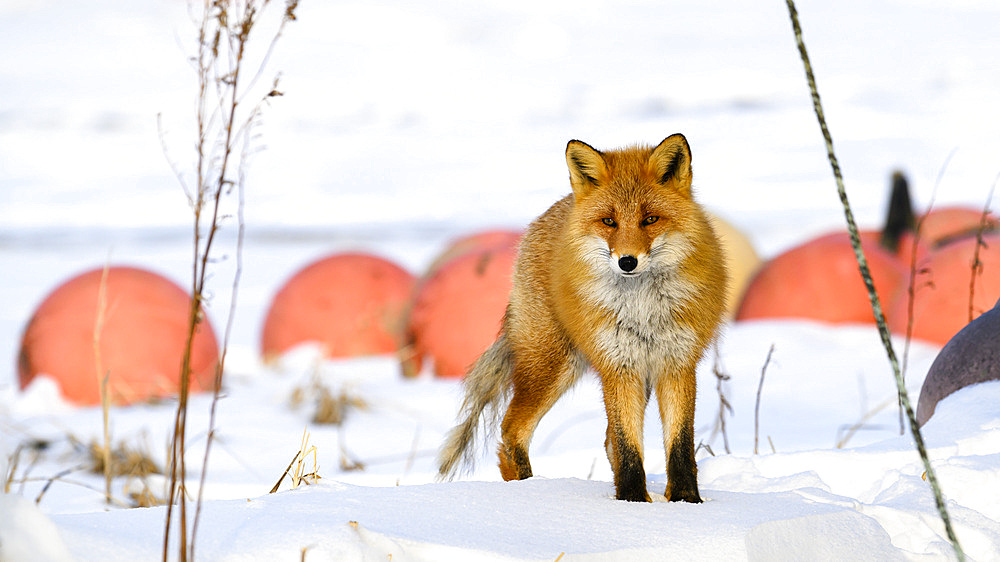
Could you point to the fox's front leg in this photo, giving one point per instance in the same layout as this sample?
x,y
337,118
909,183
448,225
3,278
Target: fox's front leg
x,y
625,401
675,393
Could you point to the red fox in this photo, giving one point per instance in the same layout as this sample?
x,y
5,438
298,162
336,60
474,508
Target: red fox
x,y
626,276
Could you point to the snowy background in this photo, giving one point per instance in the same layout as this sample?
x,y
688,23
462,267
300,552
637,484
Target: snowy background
x,y
404,124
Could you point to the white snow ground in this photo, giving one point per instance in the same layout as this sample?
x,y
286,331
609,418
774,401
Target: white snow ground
x,y
404,124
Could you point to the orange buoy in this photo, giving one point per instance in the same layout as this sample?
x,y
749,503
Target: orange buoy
x,y
947,224
411,359
820,280
941,296
458,308
351,304
138,342
472,242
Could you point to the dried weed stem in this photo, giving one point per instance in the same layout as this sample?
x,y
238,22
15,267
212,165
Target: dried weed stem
x,y
756,407
223,136
869,284
977,264
103,377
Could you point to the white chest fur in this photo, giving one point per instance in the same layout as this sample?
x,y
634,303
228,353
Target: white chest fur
x,y
643,333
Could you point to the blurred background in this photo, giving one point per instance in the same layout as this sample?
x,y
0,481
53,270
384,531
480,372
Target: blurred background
x,y
404,124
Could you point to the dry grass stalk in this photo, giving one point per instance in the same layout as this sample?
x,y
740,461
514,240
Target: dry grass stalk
x,y
977,265
298,474
285,473
142,497
131,463
348,463
756,408
721,377
103,377
845,433
224,31
93,457
121,461
8,476
912,287
413,451
911,293
859,254
14,462
330,408
706,446
57,477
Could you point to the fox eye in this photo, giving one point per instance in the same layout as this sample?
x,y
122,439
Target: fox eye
x,y
649,220
609,222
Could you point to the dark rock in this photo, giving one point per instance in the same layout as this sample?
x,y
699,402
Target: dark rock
x,y
971,356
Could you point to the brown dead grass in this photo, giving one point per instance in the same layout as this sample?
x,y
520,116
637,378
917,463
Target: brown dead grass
x,y
121,460
329,407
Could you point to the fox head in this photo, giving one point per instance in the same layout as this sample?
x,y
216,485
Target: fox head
x,y
633,206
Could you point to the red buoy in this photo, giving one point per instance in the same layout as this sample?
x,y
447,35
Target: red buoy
x,y
820,280
138,342
351,304
457,310
941,295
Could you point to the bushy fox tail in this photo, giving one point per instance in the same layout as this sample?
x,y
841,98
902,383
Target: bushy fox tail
x,y
487,385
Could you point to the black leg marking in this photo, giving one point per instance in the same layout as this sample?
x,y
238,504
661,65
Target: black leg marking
x,y
630,476
682,471
521,462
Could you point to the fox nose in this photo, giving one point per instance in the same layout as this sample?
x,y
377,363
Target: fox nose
x,y
627,263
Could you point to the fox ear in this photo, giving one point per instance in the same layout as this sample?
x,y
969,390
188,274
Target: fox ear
x,y
671,162
586,167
